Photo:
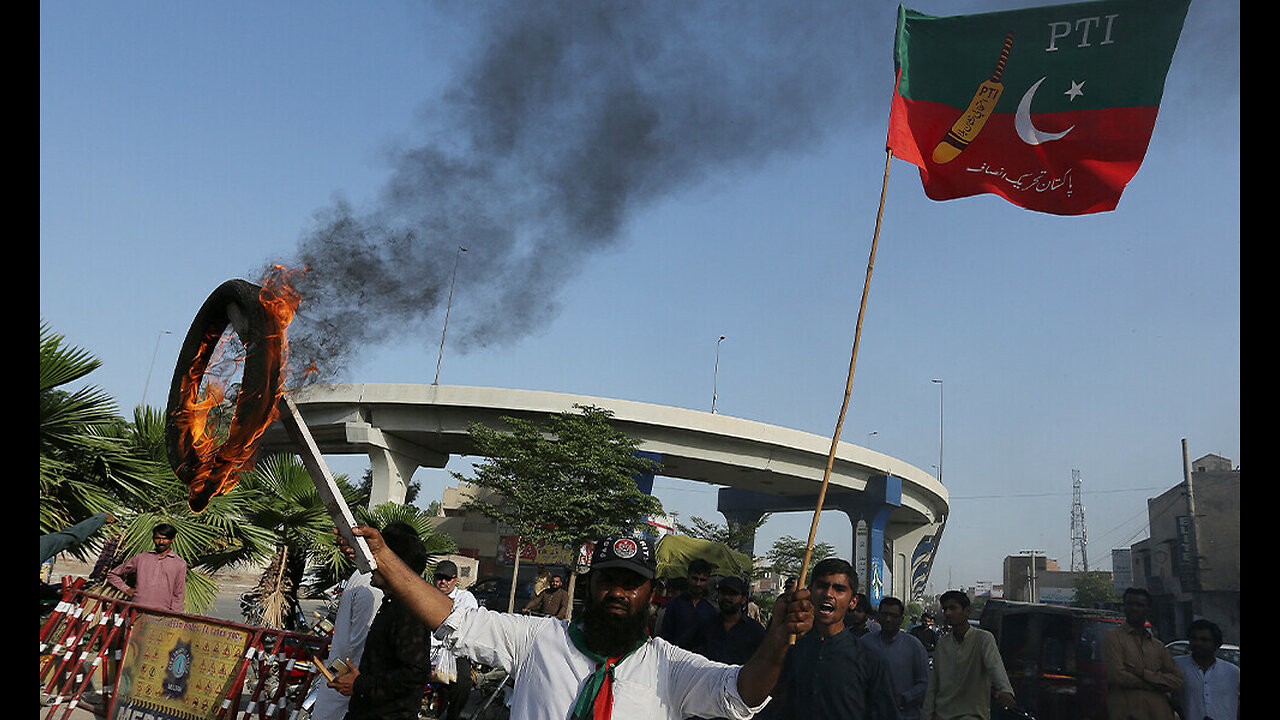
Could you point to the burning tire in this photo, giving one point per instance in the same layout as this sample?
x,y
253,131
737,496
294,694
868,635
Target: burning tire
x,y
206,468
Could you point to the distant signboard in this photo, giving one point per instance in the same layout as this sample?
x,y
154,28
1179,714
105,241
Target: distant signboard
x,y
530,553
1056,595
860,555
1121,569
1184,561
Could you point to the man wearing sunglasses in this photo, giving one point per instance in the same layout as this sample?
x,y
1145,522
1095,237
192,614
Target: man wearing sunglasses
x,y
457,692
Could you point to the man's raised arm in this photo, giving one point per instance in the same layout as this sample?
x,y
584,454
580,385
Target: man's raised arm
x,y
419,596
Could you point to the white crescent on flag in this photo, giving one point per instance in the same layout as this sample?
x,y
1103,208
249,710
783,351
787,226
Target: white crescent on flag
x,y
1026,129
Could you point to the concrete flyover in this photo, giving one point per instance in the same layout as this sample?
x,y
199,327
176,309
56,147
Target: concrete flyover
x,y
761,468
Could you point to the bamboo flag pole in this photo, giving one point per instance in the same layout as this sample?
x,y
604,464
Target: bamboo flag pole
x,y
848,387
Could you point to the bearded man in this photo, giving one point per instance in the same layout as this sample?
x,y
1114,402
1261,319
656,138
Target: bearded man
x,y
686,611
1141,673
729,637
553,601
606,665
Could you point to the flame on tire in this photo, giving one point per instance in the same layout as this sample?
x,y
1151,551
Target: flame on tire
x,y
207,467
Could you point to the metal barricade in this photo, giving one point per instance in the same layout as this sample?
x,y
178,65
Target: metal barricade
x,y
86,634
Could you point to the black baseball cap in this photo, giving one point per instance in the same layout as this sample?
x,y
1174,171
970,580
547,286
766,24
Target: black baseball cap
x,y
446,569
635,554
734,583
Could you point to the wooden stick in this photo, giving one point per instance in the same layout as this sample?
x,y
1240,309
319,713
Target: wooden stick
x,y
323,670
343,520
848,387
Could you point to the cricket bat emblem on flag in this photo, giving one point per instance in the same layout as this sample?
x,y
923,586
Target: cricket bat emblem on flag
x,y
1062,122
975,116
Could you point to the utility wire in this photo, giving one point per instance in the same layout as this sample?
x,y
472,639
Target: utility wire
x,y
1051,494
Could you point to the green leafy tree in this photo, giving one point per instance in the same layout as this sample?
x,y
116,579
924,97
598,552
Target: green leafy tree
x,y
914,611
735,535
1094,589
568,483
787,555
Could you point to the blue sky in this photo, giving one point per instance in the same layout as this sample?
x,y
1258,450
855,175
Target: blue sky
x,y
183,145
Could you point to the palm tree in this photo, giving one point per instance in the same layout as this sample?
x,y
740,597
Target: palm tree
x,y
386,513
214,539
289,505
92,460
330,566
84,467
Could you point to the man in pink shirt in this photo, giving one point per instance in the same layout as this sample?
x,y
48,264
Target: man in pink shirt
x,y
160,576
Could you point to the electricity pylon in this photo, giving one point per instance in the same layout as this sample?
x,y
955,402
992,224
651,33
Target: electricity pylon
x,y
1079,535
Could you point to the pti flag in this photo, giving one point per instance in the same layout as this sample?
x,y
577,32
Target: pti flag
x,y
1051,108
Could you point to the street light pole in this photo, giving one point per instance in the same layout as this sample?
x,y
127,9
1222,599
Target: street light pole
x,y
153,365
1031,573
457,256
715,377
939,429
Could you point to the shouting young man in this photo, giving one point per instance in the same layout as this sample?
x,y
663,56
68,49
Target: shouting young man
x,y
829,673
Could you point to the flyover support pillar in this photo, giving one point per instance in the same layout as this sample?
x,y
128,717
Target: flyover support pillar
x,y
911,560
744,518
740,507
872,506
392,460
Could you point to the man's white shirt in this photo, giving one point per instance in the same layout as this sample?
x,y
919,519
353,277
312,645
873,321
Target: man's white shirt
x,y
656,682
1214,693
356,610
462,600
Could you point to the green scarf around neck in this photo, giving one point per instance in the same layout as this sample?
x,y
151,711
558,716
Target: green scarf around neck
x,y
595,701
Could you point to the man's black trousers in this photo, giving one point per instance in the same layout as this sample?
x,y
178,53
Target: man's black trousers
x,y
457,693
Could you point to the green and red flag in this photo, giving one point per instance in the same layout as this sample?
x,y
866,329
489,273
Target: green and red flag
x,y
1051,108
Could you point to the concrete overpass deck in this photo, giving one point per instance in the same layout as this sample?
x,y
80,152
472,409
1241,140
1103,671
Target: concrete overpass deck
x,y
761,467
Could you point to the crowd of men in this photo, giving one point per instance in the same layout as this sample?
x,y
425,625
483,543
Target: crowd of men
x,y
824,653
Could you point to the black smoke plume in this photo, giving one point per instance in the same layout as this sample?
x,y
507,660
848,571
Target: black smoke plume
x,y
572,117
